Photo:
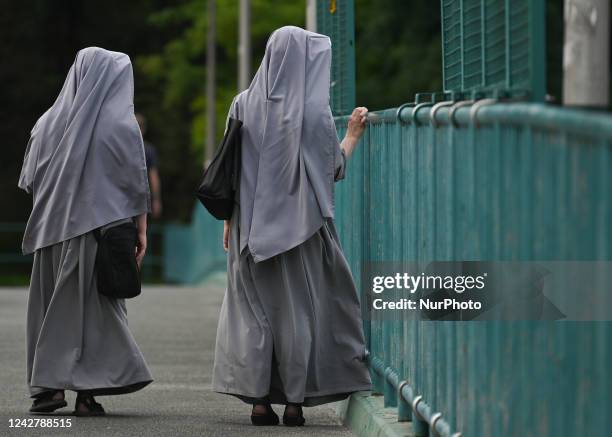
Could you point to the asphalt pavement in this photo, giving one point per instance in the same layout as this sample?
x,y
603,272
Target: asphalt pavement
x,y
175,329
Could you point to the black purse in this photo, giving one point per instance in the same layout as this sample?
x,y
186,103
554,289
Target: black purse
x,y
220,180
117,272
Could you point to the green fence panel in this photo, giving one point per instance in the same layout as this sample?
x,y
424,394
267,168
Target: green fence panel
x,y
336,18
494,48
529,182
193,250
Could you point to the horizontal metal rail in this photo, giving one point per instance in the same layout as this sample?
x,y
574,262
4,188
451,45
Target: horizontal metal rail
x,y
580,122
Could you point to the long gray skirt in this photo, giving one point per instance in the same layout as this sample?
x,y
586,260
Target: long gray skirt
x,y
78,339
290,326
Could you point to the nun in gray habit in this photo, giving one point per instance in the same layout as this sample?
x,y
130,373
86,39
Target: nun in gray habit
x,y
290,328
85,168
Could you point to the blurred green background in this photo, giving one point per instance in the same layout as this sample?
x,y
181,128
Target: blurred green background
x,y
397,52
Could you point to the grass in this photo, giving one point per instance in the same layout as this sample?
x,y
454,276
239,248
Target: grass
x,y
14,280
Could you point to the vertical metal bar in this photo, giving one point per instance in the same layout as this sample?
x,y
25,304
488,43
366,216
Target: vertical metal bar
x,y
507,43
365,248
311,15
377,382
350,55
483,52
404,409
368,182
537,50
385,193
462,40
527,177
420,428
444,36
244,45
390,392
452,143
604,250
339,24
404,413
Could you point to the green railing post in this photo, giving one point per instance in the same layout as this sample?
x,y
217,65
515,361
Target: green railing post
x,y
420,427
537,51
389,390
336,19
404,409
377,373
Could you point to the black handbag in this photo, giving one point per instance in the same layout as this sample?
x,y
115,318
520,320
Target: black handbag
x,y
220,180
117,272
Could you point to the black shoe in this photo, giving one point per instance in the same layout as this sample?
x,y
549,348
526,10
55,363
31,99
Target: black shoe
x,y
46,403
92,408
294,420
268,419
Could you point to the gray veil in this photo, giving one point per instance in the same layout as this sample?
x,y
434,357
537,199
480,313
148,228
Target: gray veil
x,y
84,164
290,147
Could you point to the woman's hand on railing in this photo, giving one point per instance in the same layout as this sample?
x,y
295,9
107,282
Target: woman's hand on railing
x,y
355,129
226,230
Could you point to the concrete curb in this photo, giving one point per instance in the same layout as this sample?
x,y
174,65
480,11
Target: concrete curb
x,y
366,416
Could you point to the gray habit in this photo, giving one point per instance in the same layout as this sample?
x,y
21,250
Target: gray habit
x,y
290,325
85,168
85,163
289,144
78,339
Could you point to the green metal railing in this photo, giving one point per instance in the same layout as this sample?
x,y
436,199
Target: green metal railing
x,y
438,180
459,181
194,250
494,48
515,181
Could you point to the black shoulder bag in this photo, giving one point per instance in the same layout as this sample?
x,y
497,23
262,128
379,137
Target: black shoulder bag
x,y
220,180
117,273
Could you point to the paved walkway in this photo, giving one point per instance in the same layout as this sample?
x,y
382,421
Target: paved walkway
x,y
175,328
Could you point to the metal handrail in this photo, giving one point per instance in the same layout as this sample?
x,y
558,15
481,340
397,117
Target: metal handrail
x,y
538,115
